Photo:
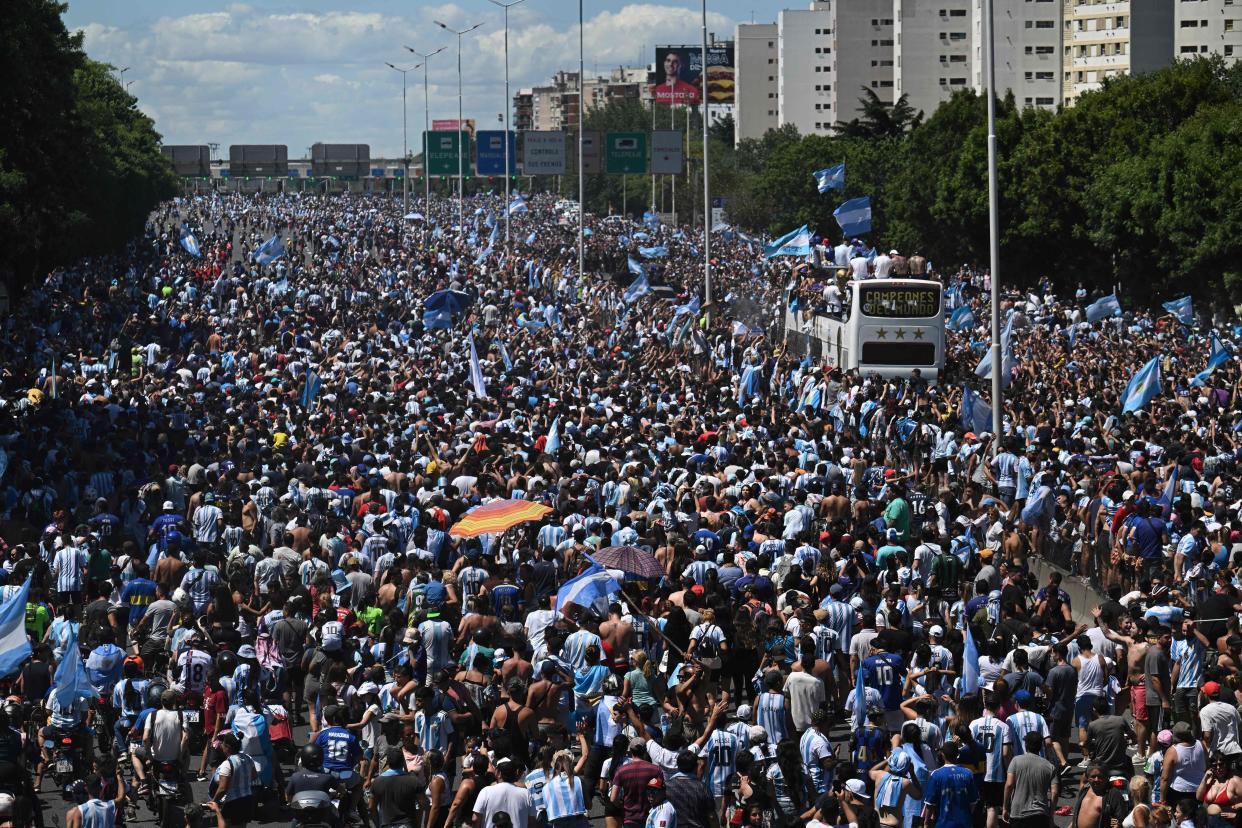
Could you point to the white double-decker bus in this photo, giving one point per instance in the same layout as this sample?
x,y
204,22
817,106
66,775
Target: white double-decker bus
x,y
889,327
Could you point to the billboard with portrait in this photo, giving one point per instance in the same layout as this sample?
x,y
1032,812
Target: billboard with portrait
x,y
678,70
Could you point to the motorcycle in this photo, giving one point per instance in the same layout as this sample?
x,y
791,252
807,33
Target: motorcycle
x,y
168,789
192,720
68,762
105,718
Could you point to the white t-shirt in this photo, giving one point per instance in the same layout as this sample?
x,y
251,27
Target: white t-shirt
x,y
503,797
164,729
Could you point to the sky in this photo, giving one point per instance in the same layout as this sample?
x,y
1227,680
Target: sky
x,y
297,74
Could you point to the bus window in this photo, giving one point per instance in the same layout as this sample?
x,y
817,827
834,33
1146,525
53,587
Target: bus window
x,y
899,301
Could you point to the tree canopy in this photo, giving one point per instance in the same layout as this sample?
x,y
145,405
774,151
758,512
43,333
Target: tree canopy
x,y
80,165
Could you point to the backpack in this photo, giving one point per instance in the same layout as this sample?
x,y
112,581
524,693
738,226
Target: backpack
x,y
707,651
946,571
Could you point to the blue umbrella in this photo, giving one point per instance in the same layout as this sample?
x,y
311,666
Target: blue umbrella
x,y
453,301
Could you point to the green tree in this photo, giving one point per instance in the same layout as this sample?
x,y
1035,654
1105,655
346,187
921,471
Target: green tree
x,y
80,166
878,118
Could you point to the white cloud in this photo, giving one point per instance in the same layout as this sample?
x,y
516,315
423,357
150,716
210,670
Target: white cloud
x,y
241,75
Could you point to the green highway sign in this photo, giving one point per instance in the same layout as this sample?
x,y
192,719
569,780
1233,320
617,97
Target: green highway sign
x,y
625,153
442,153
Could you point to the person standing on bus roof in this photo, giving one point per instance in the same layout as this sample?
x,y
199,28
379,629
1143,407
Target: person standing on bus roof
x,y
858,267
883,266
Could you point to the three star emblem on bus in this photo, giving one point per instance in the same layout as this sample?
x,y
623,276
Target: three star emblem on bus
x,y
898,333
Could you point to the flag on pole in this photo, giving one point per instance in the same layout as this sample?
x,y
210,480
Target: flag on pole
x,y
1143,387
553,443
190,243
476,373
970,664
692,307
531,238
14,644
1218,354
434,319
1182,309
269,251
518,205
962,319
71,683
794,243
984,368
974,414
656,252
1166,497
830,178
641,285
504,355
1103,308
311,389
854,216
590,589
860,699
1072,335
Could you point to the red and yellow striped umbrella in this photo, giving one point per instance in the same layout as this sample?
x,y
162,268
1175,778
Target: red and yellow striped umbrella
x,y
497,516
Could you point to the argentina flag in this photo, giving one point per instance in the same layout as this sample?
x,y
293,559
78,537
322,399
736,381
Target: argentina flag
x,y
794,243
269,251
14,644
190,243
854,216
830,178
1143,387
1183,309
590,589
1103,308
641,285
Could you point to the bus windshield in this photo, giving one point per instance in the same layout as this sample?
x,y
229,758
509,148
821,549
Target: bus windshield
x,y
899,301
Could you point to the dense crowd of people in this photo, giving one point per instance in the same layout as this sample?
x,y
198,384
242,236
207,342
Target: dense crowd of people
x,y
230,485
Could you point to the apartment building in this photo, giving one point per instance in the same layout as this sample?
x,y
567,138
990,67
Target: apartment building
x,y
1100,40
1208,27
932,56
755,58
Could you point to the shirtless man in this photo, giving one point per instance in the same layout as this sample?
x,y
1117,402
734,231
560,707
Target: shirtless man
x,y
479,619
1100,805
516,667
836,505
617,635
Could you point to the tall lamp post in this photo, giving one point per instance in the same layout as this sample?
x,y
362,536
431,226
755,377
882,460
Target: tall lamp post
x,y
994,234
707,202
405,139
426,59
461,149
508,103
581,166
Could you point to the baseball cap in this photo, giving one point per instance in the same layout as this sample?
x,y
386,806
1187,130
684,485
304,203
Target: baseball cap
x,y
638,743
246,651
936,631
168,506
656,782
743,712
1022,697
368,688
857,788
1211,688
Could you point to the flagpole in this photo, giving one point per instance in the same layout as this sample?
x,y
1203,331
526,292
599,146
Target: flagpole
x,y
461,128
426,58
581,166
707,237
508,103
994,232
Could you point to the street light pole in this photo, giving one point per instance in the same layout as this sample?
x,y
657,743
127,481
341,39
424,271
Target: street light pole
x,y
461,148
707,233
994,235
405,140
581,166
508,103
426,58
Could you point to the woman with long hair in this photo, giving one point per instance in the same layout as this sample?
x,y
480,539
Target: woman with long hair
x,y
894,781
563,797
1220,792
789,786
640,680
744,660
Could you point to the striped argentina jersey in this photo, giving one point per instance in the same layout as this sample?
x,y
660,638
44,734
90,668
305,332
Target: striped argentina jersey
x,y
535,781
562,799
433,729
97,813
814,748
841,619
719,754
992,735
770,715
1188,652
68,564
1022,723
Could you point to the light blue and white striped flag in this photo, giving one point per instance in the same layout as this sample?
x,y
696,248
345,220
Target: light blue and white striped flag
x,y
190,242
830,178
1103,308
72,682
518,205
1183,309
269,251
854,216
590,589
553,443
794,243
14,643
641,285
476,373
1143,387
